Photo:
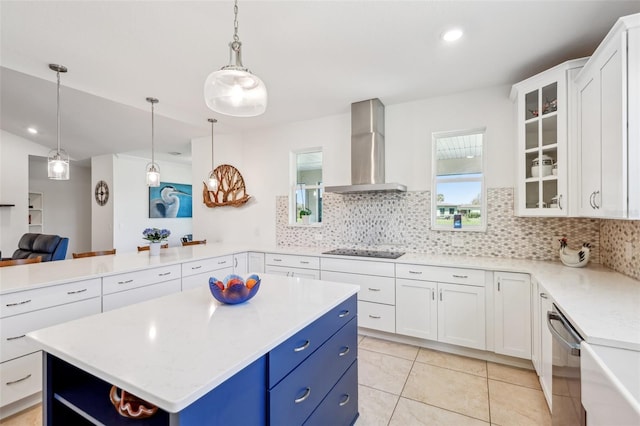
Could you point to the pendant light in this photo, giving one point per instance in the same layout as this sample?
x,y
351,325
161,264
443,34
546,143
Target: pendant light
x,y
234,90
153,170
58,159
212,181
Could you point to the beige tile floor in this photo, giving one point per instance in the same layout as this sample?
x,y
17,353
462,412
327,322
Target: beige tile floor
x,y
403,385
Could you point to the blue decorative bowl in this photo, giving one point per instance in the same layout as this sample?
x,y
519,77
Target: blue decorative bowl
x,y
234,289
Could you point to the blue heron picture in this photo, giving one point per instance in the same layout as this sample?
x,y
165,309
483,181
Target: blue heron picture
x,y
170,200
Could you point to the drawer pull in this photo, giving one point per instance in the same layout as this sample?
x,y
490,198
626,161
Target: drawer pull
x,y
304,262
303,398
345,351
222,262
77,291
19,380
196,267
345,401
343,314
374,316
19,303
374,289
461,276
303,347
125,282
164,274
16,337
277,260
415,272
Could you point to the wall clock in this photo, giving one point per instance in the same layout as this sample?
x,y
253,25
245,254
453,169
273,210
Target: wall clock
x,y
102,193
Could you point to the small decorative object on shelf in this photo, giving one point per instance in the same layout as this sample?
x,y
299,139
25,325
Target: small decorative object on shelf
x,y
131,406
574,258
233,289
155,236
304,215
541,166
231,190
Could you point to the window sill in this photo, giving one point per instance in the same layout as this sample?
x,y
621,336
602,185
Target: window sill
x,y
306,225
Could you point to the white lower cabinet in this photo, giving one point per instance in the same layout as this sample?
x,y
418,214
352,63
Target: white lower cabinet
x,y
240,263
461,315
535,327
256,262
377,295
21,377
292,265
417,308
546,347
139,294
512,314
197,273
447,312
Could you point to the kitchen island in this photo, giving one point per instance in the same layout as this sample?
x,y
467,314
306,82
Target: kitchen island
x,y
201,362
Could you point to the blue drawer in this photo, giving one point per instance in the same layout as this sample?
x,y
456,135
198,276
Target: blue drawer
x,y
298,394
297,348
340,407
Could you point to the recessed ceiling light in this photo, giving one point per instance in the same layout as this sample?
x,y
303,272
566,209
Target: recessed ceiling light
x,y
32,130
452,35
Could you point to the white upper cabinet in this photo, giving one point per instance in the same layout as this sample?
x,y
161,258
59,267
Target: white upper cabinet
x,y
543,106
608,126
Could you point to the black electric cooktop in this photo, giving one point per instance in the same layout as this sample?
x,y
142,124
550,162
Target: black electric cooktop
x,y
366,253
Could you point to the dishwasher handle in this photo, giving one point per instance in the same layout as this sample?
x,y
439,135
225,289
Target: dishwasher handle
x,y
574,346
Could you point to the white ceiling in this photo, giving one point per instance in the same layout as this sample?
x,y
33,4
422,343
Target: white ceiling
x,y
316,58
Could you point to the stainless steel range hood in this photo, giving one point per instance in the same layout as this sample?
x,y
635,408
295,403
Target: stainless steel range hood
x,y
367,151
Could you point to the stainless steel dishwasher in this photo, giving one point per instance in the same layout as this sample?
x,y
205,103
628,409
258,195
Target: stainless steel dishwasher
x,y
567,409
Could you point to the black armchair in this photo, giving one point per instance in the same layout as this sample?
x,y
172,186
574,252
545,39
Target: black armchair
x,y
49,247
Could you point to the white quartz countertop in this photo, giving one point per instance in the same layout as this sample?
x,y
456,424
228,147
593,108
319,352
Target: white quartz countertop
x,y
172,350
602,304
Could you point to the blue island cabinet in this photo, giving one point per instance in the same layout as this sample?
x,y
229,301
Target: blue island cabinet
x,y
309,379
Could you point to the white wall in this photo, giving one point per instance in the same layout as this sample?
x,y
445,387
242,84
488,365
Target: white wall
x,y
262,157
131,202
67,203
14,188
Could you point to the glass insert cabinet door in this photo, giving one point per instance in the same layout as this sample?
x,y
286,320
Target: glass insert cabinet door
x,y
307,189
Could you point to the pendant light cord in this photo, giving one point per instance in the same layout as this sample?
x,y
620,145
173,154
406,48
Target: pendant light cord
x,y
152,135
235,22
212,121
58,108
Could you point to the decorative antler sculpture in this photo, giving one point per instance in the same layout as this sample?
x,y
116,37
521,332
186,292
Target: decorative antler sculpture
x,y
231,190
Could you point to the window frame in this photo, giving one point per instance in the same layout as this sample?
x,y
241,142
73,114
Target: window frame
x,y
294,186
435,136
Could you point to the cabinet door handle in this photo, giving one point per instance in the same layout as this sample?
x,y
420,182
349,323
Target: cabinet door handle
x,y
498,285
544,295
164,274
193,268
303,347
125,282
344,313
19,380
433,295
415,272
235,262
18,303
441,295
374,316
595,203
461,276
306,394
345,401
592,200
345,351
560,201
16,337
77,291
374,289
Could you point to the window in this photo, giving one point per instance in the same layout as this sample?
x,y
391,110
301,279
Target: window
x,y
458,193
307,188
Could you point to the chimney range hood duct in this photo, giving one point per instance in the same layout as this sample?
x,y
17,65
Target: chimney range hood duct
x,y
367,151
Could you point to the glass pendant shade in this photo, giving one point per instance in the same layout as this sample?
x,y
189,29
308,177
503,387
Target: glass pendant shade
x,y
212,182
58,165
153,174
235,92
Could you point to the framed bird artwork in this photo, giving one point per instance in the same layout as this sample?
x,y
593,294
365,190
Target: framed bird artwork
x,y
170,200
